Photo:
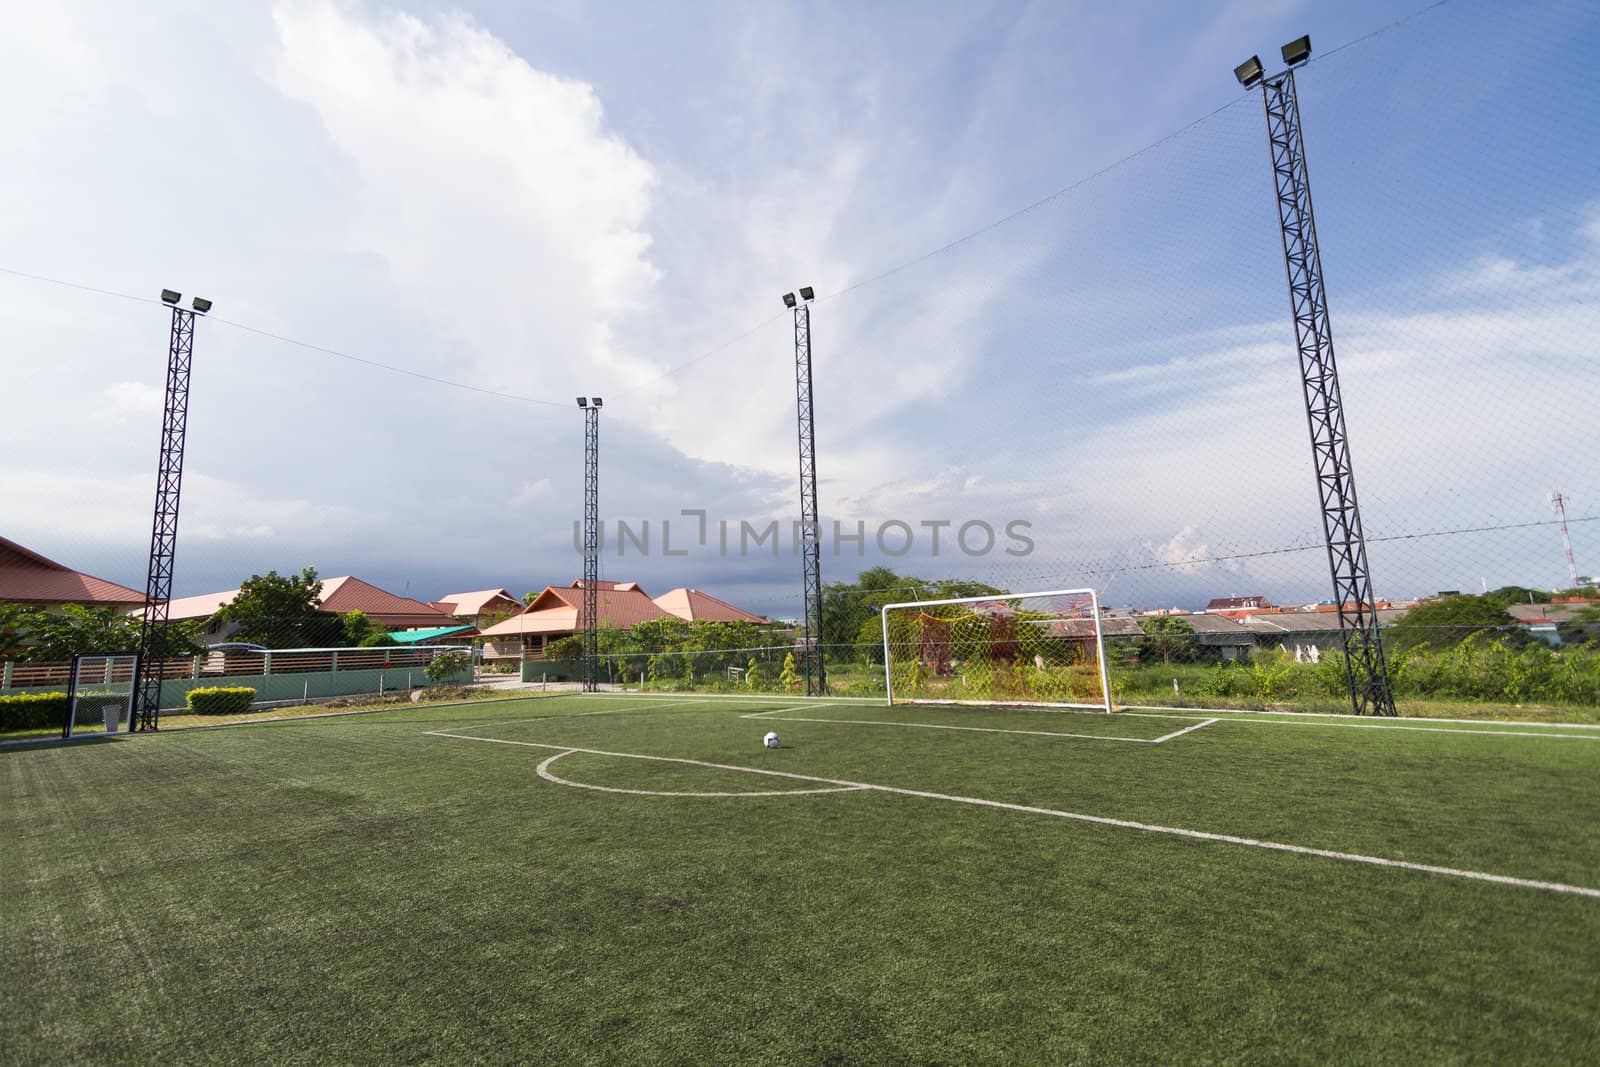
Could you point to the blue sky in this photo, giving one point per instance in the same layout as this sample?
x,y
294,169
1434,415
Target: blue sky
x,y
544,200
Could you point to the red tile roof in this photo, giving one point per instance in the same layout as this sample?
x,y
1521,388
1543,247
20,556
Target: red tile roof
x,y
341,594
559,610
348,593
694,605
476,603
29,578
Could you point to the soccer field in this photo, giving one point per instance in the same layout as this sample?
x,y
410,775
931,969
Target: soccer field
x,y
628,878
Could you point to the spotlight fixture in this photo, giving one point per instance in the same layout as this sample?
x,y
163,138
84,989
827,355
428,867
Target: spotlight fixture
x,y
788,300
1249,72
170,296
807,293
583,401
597,402
202,305
1297,51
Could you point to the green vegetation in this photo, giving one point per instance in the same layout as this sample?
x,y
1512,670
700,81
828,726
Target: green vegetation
x,y
280,611
219,700
1443,623
409,919
1167,636
32,711
447,665
50,636
850,609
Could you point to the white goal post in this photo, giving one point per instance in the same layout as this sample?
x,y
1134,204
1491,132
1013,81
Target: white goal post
x,y
99,694
1035,649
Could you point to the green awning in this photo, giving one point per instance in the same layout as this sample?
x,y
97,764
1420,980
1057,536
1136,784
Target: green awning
x,y
412,637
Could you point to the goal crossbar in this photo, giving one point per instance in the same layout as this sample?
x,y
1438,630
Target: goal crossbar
x,y
1103,704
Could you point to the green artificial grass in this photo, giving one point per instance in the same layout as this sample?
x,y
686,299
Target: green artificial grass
x,y
361,889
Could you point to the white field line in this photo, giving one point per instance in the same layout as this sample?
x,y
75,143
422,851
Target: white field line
x,y
543,770
974,729
1227,712
983,729
1187,729
1099,820
1386,726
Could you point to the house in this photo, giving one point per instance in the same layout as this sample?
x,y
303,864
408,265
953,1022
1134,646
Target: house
x,y
555,613
1236,606
696,606
29,578
482,608
1290,630
346,593
26,577
1230,637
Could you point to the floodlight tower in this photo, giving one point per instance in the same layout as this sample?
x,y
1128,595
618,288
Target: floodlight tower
x,y
591,540
816,673
164,526
1368,676
1558,500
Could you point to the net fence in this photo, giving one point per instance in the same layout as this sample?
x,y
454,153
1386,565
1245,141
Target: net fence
x,y
1098,390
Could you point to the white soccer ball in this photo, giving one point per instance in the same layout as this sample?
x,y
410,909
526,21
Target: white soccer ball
x,y
771,740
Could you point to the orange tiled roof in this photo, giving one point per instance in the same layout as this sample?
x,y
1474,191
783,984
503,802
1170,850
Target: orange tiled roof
x,y
29,578
696,606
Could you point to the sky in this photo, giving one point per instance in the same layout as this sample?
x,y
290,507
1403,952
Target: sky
x,y
1049,281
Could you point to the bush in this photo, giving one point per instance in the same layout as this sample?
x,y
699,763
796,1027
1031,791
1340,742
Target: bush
x,y
29,711
219,700
446,665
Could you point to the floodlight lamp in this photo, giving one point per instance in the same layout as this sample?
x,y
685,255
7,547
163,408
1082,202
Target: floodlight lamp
x,y
788,300
583,401
807,293
170,296
202,305
597,402
1297,51
1249,72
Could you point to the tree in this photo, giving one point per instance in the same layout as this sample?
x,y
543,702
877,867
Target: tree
x,y
280,611
789,677
1166,636
357,627
848,607
753,676
49,636
529,598
1448,622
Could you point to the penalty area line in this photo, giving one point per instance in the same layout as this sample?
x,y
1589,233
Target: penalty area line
x,y
976,729
1097,820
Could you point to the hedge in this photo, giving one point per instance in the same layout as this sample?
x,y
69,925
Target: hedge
x,y
218,700
28,711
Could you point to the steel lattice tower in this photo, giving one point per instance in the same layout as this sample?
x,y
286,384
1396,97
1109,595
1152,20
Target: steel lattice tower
x,y
816,673
153,647
591,542
1368,676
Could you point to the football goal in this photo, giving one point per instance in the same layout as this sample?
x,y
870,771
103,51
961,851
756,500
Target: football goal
x,y
99,694
1039,649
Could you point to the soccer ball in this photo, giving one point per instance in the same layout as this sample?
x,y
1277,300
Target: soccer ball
x,y
771,740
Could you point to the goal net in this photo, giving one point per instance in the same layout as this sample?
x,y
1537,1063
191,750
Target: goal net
x,y
99,694
1041,649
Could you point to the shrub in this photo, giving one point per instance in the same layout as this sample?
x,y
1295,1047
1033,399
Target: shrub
x,y
28,711
220,700
447,665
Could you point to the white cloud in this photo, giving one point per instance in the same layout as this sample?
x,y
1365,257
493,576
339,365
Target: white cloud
x,y
134,397
492,193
